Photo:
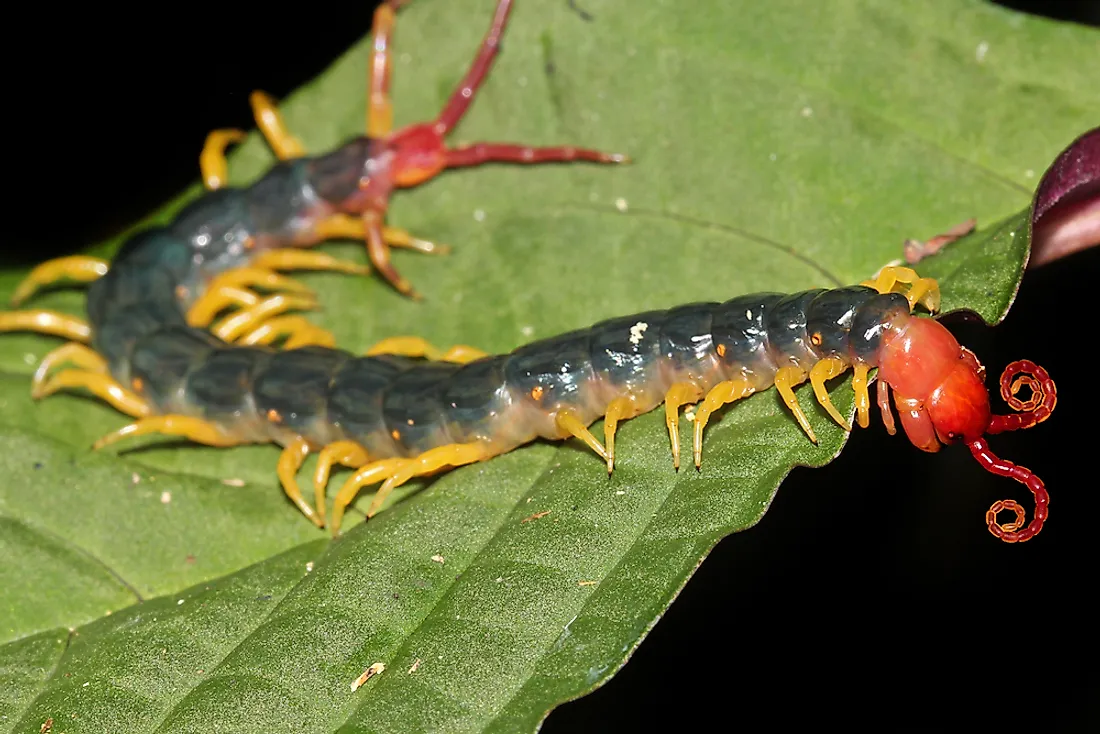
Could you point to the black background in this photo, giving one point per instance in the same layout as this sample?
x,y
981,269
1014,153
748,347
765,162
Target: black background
x,y
869,595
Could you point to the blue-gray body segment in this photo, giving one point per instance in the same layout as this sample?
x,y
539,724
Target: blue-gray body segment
x,y
292,390
870,322
550,373
788,343
625,352
739,333
223,383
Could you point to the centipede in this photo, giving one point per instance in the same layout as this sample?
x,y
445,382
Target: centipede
x,y
154,347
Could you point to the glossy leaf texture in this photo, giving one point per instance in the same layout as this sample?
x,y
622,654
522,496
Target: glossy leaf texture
x,y
777,146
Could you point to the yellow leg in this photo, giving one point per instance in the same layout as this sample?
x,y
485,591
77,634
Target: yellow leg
x,y
345,453
46,322
102,386
342,226
719,395
414,346
925,291
290,461
212,163
211,303
232,326
429,462
74,352
193,429
379,254
567,421
681,393
80,268
293,259
883,391
821,372
863,397
250,276
370,474
298,331
271,124
786,378
620,409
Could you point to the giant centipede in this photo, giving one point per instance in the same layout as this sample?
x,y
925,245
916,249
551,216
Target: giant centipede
x,y
391,414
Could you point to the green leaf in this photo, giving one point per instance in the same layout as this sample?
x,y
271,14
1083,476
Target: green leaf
x,y
778,146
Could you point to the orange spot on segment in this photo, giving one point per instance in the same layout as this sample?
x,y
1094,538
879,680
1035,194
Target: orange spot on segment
x,y
721,350
536,392
274,416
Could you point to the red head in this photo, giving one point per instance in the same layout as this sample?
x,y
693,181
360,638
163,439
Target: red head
x,y
940,395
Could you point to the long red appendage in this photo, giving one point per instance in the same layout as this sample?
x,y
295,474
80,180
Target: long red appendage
x,y
1037,408
478,153
464,95
1010,532
1044,396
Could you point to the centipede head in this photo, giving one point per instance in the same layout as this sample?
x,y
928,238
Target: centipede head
x,y
940,394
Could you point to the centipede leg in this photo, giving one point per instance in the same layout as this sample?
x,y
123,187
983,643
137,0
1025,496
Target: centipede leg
x,y
345,453
373,473
925,291
429,462
476,154
863,397
270,121
294,259
46,322
299,332
414,346
212,163
569,423
379,107
234,325
342,226
786,379
290,461
822,372
102,386
722,393
80,268
621,408
233,288
184,426
74,352
680,393
212,302
379,254
883,392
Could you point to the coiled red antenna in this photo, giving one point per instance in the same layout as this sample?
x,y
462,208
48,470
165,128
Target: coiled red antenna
x,y
1034,410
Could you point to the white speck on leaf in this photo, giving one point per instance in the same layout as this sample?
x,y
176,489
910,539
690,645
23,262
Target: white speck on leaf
x,y
479,215
621,204
981,51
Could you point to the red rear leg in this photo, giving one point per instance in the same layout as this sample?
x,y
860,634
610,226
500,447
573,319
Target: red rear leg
x,y
418,151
